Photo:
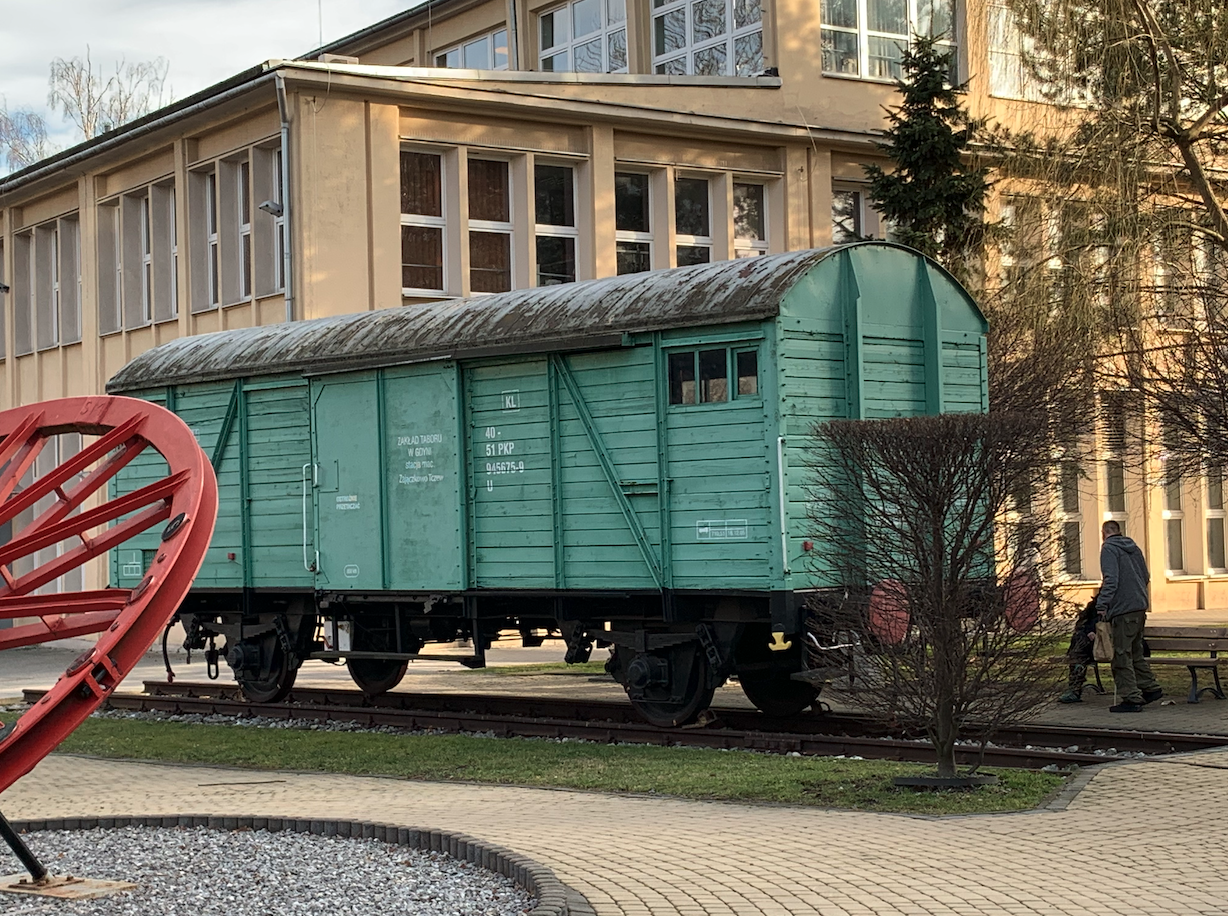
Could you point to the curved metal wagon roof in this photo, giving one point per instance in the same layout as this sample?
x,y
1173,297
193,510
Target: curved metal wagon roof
x,y
573,315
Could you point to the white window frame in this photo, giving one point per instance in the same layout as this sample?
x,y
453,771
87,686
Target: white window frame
x,y
567,44
748,247
431,222
213,253
55,284
864,34
441,57
1174,511
1216,514
146,259
549,229
173,216
1067,516
693,241
667,62
243,189
495,227
279,226
627,235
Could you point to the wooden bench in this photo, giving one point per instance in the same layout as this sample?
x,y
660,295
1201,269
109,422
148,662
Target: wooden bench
x,y
1211,640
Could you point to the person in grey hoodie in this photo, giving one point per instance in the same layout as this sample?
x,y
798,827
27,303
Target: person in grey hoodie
x,y
1123,603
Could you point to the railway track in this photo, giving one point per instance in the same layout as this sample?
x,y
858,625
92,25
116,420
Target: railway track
x,y
603,721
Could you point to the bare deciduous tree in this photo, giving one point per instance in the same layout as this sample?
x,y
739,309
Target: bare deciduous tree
x,y
935,576
96,104
23,137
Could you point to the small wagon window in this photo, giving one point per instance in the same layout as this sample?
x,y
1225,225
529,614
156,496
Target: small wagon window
x,y
748,373
714,376
682,377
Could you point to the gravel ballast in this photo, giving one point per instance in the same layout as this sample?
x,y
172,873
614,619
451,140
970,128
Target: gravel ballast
x,y
198,871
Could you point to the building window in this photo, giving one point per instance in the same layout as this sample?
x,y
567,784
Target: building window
x,y
749,220
489,52
587,36
707,37
490,227
1009,75
632,222
708,376
867,38
692,221
46,289
422,223
172,223
555,218
146,243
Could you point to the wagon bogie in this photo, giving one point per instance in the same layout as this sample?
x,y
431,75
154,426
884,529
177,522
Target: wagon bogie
x,y
621,464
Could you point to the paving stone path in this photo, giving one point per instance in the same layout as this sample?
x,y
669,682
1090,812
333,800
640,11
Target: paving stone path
x,y
1139,838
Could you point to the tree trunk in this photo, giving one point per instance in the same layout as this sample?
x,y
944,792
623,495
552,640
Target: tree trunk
x,y
945,734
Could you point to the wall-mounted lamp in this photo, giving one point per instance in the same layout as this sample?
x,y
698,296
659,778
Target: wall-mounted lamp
x,y
272,207
4,288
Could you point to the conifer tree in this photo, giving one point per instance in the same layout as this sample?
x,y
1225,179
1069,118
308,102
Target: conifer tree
x,y
933,199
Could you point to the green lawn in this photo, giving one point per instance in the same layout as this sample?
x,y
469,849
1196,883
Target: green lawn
x,y
682,772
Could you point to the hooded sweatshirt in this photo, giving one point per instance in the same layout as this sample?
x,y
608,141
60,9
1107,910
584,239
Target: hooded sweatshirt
x,y
1125,578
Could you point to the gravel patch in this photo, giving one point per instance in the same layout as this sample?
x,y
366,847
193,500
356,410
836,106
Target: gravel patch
x,y
184,871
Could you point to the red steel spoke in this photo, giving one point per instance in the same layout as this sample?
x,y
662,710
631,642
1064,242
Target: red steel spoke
x,y
70,468
84,522
105,599
31,540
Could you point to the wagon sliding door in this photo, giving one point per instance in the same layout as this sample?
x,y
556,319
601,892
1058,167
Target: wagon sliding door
x,y
388,501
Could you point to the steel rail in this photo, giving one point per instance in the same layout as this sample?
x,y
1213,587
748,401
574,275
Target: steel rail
x,y
214,700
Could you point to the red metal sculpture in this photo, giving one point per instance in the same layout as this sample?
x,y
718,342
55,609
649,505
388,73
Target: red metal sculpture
x,y
75,514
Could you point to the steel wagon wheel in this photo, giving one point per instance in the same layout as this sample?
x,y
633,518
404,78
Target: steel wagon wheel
x,y
76,519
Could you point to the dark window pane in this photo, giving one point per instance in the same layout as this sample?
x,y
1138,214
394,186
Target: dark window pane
x,y
631,202
585,17
1115,477
748,373
707,19
553,29
634,257
1215,543
691,206
1215,487
488,193
421,257
490,262
1070,486
845,216
420,184
556,260
617,42
710,61
1072,551
588,57
1172,533
713,376
839,12
748,211
689,255
840,52
682,378
553,190
748,55
477,54
670,31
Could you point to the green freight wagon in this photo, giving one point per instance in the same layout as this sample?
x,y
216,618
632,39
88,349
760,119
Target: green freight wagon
x,y
621,461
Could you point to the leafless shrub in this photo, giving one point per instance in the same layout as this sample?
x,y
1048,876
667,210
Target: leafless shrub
x,y
937,582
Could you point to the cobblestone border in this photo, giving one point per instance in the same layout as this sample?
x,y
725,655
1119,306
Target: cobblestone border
x,y
554,897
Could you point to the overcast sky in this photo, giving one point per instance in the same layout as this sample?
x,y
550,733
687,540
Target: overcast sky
x,y
204,40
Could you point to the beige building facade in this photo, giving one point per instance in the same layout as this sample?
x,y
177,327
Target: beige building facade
x,y
473,146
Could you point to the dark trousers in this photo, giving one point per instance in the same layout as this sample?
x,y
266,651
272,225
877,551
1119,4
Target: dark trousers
x,y
1131,670
1080,651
